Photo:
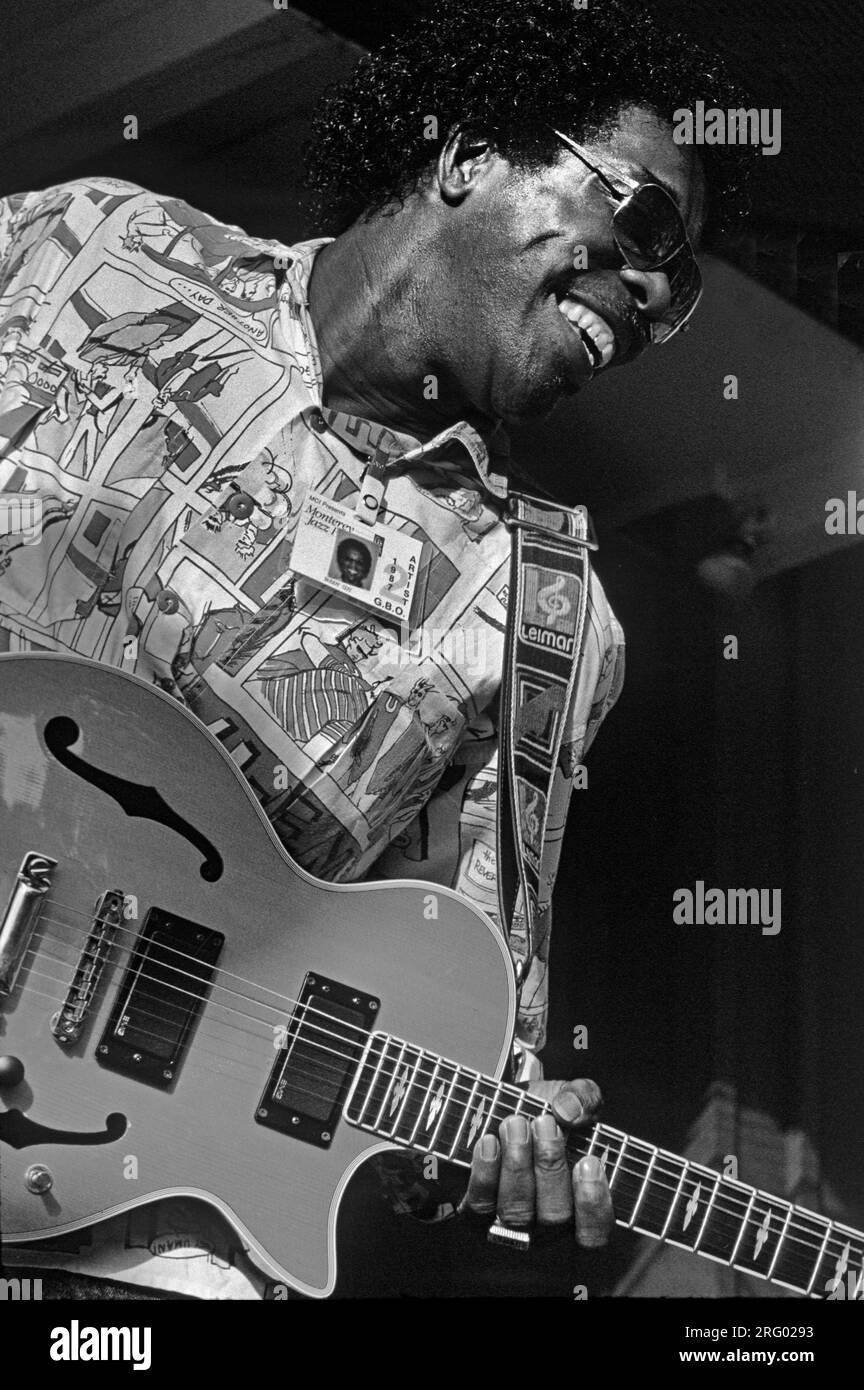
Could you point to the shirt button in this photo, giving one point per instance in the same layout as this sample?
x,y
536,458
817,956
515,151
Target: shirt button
x,y
317,421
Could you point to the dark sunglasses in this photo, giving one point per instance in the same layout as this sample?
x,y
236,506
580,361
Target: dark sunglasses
x,y
649,232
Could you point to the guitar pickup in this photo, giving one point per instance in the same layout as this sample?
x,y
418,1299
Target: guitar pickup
x,y
67,1023
319,1048
163,991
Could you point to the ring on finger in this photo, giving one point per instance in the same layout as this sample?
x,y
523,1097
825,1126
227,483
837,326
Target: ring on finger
x,y
514,1237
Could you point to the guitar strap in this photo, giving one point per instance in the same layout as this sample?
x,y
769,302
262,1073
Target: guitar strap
x,y
550,578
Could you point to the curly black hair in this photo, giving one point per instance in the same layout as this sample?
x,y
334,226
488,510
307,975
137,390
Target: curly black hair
x,y
512,68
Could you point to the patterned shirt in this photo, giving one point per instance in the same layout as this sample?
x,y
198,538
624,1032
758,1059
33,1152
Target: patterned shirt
x,y
161,397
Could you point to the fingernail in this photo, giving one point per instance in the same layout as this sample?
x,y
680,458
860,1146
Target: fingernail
x,y
517,1129
590,1168
568,1106
545,1127
489,1148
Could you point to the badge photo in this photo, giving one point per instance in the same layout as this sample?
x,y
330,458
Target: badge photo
x,y
353,561
373,565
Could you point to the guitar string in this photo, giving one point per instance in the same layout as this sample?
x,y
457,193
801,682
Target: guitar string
x,y
212,984
220,1056
297,1035
365,1034
322,1013
178,989
184,955
419,1072
230,1010
517,1093
638,1175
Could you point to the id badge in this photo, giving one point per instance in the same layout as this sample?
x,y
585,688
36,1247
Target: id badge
x,y
375,566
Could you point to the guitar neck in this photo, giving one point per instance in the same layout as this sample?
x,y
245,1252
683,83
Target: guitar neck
x,y
415,1098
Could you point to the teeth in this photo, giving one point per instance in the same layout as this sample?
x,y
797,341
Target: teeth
x,y
584,319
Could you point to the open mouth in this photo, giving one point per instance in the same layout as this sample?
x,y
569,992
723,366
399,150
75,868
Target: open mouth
x,y
594,332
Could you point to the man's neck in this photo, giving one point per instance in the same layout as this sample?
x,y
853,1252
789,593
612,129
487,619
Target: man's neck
x,y
376,360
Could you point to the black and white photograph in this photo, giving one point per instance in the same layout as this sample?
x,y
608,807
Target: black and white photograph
x,y
431,652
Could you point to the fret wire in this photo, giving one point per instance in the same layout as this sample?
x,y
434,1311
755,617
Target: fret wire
x,y
822,1249
611,1136
643,1189
797,1233
780,1242
630,1142
797,1252
602,1135
357,1074
379,1086
466,1112
618,1162
643,1151
678,1191
791,1231
404,1101
487,1122
496,1101
444,1108
424,1103
711,1200
377,1122
743,1227
378,1076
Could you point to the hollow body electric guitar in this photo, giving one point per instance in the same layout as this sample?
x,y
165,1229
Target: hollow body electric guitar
x,y
172,986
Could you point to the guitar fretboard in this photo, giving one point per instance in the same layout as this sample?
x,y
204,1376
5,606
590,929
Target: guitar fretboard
x,y
416,1098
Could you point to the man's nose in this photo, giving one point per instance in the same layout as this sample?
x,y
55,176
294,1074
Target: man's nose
x,y
650,289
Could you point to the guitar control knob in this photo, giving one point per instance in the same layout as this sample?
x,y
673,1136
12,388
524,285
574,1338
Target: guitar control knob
x,y
11,1072
38,1178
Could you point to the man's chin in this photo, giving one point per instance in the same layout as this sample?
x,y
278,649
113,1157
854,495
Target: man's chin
x,y
540,403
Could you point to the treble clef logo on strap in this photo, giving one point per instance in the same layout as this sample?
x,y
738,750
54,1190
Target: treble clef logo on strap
x,y
552,600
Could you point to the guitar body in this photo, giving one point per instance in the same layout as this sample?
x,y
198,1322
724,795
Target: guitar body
x,y
134,795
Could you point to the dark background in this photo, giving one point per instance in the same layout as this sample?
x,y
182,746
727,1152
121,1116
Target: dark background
x,y
740,773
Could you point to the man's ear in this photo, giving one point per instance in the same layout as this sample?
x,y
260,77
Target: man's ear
x,y
464,159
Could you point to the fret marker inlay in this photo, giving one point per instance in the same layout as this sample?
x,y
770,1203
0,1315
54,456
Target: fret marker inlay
x,y
477,1122
438,1107
692,1206
435,1105
762,1234
399,1089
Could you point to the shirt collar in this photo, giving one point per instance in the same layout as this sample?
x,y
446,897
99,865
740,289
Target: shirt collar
x,y
388,447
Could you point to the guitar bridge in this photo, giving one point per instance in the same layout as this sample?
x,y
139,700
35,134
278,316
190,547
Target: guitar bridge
x,y
67,1023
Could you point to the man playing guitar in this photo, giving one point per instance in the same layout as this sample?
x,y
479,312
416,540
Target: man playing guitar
x,y
206,408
